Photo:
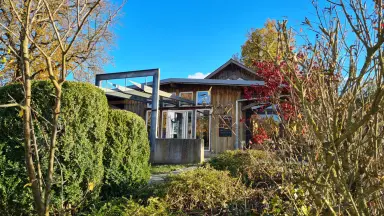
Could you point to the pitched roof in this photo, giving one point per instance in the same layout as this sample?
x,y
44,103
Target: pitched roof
x,y
210,82
230,61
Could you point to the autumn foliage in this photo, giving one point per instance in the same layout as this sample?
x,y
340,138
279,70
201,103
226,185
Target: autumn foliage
x,y
275,94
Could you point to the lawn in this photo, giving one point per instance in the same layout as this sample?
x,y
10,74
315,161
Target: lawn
x,y
166,168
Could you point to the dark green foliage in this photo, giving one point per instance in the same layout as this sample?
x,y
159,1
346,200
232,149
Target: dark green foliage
x,y
126,157
81,139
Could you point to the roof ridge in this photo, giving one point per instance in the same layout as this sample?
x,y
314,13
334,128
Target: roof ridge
x,y
231,60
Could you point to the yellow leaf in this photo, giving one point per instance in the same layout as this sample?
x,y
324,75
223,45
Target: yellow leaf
x,y
27,185
91,185
294,128
21,113
276,130
300,116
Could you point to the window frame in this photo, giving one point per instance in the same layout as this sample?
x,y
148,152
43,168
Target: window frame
x,y
197,99
180,103
168,133
209,125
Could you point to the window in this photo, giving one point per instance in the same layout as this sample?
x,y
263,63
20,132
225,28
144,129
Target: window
x,y
203,98
186,95
268,112
203,125
177,124
164,125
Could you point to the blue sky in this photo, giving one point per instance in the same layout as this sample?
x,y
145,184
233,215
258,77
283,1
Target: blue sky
x,y
184,37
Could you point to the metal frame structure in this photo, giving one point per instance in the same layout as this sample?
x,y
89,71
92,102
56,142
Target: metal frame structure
x,y
155,73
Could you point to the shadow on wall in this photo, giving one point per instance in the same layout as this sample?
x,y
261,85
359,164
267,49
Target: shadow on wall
x,y
178,151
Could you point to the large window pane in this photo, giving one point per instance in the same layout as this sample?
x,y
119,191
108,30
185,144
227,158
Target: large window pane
x,y
178,124
189,125
164,125
202,127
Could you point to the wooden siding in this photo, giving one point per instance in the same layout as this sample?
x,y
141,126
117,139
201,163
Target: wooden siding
x,y
130,105
234,72
220,96
136,107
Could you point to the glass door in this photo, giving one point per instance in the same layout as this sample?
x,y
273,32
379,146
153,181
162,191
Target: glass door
x,y
203,122
179,124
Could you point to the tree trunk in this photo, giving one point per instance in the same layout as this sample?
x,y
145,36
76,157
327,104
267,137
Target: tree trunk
x,y
27,127
55,122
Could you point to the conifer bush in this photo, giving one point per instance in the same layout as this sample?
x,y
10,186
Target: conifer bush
x,y
126,156
81,138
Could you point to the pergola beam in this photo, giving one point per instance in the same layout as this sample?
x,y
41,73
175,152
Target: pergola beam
x,y
161,93
113,93
124,75
132,92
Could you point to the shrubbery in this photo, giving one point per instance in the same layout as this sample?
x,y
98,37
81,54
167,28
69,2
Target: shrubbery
x,y
130,207
126,154
79,168
197,192
271,193
204,190
81,139
254,167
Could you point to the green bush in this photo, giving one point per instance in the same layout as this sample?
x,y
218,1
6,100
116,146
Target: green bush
x,y
256,168
204,191
126,156
129,207
79,153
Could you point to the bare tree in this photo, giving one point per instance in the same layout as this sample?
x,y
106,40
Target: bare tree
x,y
83,61
336,84
61,36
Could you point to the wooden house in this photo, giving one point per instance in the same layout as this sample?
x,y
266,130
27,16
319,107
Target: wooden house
x,y
218,105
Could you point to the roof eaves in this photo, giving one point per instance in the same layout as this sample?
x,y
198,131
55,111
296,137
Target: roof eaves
x,y
226,64
210,82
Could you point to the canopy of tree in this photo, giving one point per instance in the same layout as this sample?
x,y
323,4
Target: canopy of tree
x,y
261,45
85,58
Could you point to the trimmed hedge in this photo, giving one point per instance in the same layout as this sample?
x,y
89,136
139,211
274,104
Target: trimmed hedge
x,y
81,139
126,156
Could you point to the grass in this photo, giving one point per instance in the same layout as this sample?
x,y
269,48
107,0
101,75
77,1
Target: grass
x,y
159,169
